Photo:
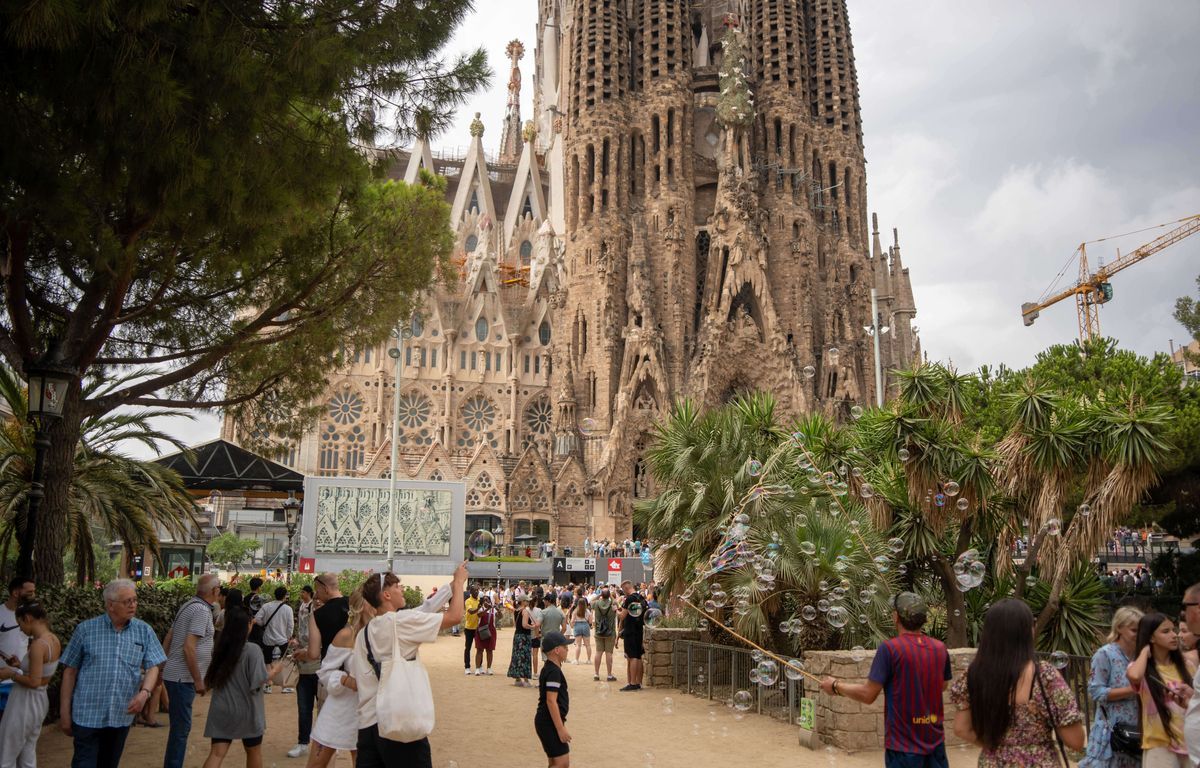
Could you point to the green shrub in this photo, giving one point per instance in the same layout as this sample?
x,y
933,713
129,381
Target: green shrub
x,y
69,605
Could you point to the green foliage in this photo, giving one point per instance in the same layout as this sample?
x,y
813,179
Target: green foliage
x,y
256,245
229,551
1081,617
69,605
112,497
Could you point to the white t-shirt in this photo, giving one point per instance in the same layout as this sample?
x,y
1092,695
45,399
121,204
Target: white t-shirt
x,y
1191,722
411,628
13,642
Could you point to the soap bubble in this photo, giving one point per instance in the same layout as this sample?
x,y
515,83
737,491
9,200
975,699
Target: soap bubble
x,y
741,519
754,467
809,371
882,564
856,411
754,678
896,545
833,355
962,504
939,500
1085,509
768,672
822,605
686,534
858,653
703,623
710,606
902,454
634,608
808,612
654,617
481,543
743,701
700,678
588,426
719,598
1054,526
602,690
791,670
1031,581
866,490
951,488
808,548
837,617
1060,659
668,706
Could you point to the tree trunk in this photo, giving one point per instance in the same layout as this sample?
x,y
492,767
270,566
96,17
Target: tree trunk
x,y
51,536
956,605
1052,605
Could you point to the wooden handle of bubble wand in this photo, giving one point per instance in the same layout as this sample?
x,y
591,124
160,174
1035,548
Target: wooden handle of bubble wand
x,y
750,642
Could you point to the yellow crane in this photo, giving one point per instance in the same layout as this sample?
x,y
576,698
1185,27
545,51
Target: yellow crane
x,y
1094,288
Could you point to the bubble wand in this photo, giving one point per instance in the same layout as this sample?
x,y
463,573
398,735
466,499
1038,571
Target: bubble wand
x,y
786,662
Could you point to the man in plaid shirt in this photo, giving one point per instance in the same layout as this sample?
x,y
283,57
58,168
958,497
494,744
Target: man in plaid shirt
x,y
110,669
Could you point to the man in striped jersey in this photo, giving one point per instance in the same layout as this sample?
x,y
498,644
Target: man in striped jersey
x,y
912,670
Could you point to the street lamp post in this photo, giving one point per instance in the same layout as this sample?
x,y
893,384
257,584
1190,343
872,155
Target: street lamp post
x,y
498,532
49,380
401,334
291,517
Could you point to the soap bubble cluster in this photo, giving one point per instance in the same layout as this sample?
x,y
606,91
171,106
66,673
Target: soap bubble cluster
x,y
969,570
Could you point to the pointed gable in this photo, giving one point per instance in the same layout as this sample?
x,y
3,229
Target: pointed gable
x,y
436,465
421,157
527,186
474,183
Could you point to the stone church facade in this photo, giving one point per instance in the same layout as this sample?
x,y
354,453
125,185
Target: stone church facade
x,y
628,247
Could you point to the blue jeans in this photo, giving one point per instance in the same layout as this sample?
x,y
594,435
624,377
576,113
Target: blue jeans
x,y
306,700
180,697
98,747
935,759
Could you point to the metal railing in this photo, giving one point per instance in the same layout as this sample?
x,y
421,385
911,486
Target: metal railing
x,y
1076,673
717,672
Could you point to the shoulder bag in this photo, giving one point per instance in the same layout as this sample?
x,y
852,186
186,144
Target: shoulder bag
x,y
257,631
484,633
1125,739
1062,749
404,700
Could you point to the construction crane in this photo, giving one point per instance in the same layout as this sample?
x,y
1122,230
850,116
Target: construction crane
x,y
1095,288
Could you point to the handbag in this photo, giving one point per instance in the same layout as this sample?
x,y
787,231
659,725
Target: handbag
x,y
484,633
404,700
258,630
1126,739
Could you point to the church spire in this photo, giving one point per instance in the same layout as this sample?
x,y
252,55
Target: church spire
x,y
510,139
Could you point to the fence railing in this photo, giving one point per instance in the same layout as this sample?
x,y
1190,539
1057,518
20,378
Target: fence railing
x,y
717,672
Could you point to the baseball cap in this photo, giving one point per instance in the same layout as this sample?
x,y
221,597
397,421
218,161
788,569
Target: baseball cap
x,y
910,606
552,640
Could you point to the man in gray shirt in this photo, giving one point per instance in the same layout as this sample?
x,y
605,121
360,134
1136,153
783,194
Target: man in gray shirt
x,y
553,619
278,623
188,646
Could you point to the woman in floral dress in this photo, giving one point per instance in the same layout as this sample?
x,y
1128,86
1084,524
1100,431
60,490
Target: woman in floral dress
x,y
1006,669
520,668
1116,701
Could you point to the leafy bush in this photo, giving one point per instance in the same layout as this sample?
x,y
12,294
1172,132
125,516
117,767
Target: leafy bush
x,y
69,605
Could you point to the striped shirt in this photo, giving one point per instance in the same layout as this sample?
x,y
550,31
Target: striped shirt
x,y
110,664
912,668
195,617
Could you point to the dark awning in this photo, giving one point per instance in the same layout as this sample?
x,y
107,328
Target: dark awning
x,y
222,466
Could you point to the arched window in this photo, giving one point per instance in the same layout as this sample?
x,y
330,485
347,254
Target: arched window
x,y
418,326
544,333
472,242
356,448
526,252
481,329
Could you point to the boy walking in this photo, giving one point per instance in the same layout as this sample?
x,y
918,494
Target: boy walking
x,y
550,722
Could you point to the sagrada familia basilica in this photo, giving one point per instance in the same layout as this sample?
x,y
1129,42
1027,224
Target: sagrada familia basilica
x,y
683,216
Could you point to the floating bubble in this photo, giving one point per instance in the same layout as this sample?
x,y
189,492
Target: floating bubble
x,y
808,613
862,618
754,467
703,623
962,504
829,478
902,454
687,534
809,371
588,426
710,606
602,690
1085,509
833,355
1031,581
768,672
837,617
858,653
700,678
896,545
668,706
977,569
882,564
1060,659
741,519
950,488
654,618
719,598
856,411
635,608
823,605
742,701
939,500
808,548
866,490
757,655
1054,526
481,543
848,543
792,670
754,677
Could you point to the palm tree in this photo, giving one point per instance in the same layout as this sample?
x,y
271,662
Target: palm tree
x,y
123,498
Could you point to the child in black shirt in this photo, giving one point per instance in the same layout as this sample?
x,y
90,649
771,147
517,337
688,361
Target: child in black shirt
x,y
553,703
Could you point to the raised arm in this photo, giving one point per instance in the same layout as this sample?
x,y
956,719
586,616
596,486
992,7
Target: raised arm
x,y
454,614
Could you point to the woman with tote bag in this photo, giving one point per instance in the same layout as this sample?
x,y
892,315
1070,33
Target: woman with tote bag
x,y
395,702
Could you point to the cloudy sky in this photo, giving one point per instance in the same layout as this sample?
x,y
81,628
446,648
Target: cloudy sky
x,y
998,136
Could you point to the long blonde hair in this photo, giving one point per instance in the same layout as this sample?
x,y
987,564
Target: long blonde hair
x,y
1124,616
360,610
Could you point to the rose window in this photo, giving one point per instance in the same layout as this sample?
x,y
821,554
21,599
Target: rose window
x,y
538,417
415,410
478,421
345,407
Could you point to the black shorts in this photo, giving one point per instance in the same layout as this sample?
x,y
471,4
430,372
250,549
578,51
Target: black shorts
x,y
273,653
250,743
548,735
634,648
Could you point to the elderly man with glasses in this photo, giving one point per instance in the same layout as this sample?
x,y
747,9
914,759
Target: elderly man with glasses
x,y
110,669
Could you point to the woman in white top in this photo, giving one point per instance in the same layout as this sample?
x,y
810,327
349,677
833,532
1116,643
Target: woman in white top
x,y
337,722
407,630
27,704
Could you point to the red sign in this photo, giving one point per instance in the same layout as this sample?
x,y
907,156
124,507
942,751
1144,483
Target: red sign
x,y
308,565
614,564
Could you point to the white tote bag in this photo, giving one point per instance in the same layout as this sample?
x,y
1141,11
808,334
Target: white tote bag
x,y
404,703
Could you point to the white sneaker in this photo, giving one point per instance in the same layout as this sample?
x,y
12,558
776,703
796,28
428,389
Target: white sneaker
x,y
467,672
267,689
479,672
288,690
299,750
489,671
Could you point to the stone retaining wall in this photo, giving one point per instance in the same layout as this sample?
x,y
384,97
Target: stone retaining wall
x,y
849,725
659,645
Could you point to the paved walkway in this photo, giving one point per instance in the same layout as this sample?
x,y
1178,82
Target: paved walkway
x,y
487,722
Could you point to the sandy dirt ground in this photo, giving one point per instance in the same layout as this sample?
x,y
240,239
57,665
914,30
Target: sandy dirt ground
x,y
488,721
